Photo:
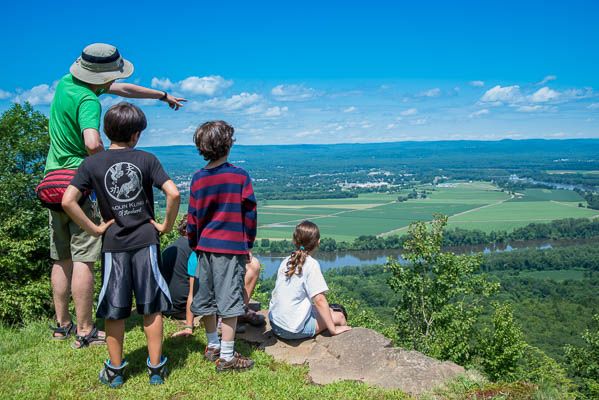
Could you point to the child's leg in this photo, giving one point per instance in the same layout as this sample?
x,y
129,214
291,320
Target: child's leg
x,y
188,313
228,329
339,318
227,345
153,331
115,333
252,273
188,330
211,333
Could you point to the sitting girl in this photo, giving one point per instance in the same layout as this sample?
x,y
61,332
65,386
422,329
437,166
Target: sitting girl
x,y
299,308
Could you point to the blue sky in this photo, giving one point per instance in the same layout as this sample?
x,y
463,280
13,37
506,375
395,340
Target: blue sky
x,y
328,72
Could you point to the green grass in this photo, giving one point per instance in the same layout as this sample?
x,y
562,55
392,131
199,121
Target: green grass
x,y
35,367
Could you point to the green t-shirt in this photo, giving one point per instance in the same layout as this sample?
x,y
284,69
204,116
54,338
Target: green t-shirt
x,y
75,107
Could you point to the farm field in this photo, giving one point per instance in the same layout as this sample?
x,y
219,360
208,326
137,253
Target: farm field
x,y
472,205
531,205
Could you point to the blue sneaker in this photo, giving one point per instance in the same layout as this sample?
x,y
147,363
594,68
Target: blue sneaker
x,y
112,376
157,372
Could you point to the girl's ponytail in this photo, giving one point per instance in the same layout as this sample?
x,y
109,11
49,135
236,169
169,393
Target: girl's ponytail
x,y
305,238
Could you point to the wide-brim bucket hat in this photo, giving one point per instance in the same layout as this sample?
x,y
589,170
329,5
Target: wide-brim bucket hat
x,y
101,63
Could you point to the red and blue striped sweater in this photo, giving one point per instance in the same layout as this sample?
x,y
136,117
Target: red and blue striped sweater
x,y
222,214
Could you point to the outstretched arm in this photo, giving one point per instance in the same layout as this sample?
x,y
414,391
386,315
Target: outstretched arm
x,y
70,204
132,91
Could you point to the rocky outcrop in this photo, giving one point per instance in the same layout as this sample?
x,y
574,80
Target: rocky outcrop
x,y
360,354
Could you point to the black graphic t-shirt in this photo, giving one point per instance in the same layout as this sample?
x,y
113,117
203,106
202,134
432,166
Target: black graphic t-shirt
x,y
123,180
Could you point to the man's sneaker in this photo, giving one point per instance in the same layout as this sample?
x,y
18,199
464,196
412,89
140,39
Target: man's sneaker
x,y
212,353
158,372
237,363
113,376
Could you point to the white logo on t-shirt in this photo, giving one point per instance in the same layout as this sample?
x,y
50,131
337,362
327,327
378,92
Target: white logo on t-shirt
x,y
123,181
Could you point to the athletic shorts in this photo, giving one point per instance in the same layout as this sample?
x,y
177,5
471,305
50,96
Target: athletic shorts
x,y
68,241
134,271
220,279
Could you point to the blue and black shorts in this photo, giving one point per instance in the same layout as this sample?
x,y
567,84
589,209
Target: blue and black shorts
x,y
134,271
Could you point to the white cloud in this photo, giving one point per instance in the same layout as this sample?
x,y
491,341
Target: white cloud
x,y
207,85
4,94
479,113
409,111
350,109
577,94
162,83
189,130
546,79
434,92
275,111
234,103
543,95
502,94
477,83
419,121
390,126
293,93
195,85
109,101
528,109
308,133
37,95
593,106
242,103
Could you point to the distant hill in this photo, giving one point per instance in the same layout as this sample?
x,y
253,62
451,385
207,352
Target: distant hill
x,y
535,154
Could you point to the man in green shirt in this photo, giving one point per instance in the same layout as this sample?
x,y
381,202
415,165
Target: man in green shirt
x,y
74,134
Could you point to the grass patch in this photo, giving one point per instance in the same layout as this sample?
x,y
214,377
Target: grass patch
x,y
35,367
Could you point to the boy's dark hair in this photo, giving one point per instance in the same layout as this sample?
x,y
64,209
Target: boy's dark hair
x,y
214,139
123,120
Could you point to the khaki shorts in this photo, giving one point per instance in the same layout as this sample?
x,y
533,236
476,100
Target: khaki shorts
x,y
69,242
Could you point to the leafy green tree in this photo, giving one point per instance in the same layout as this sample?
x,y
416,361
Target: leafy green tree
x,y
544,371
583,362
24,261
440,295
502,347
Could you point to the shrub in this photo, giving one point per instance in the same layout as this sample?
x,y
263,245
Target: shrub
x,y
24,255
440,295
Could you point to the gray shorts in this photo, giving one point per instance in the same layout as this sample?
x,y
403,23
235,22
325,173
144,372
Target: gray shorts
x,y
69,242
127,272
220,280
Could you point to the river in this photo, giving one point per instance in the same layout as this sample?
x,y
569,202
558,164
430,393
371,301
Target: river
x,y
328,260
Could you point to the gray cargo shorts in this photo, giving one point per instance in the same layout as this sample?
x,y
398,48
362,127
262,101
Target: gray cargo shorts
x,y
221,280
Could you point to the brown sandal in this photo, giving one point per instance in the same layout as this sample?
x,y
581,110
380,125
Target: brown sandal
x,y
237,363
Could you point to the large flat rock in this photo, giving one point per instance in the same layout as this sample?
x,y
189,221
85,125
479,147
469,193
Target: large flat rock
x,y
361,355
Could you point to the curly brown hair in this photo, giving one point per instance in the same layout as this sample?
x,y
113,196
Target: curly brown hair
x,y
305,238
214,139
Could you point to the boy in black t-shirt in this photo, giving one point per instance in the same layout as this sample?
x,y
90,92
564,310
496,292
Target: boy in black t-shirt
x,y
122,178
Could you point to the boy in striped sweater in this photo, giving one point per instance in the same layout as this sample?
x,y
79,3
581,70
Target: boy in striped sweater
x,y
221,227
